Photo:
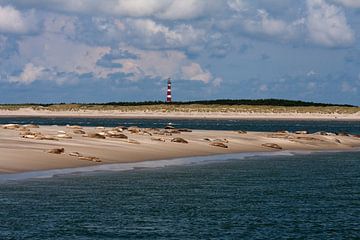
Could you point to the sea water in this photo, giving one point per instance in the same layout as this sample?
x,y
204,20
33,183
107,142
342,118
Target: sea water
x,y
206,124
285,195
306,196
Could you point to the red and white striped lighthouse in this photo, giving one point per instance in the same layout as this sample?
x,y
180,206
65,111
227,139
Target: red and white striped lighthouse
x,y
168,95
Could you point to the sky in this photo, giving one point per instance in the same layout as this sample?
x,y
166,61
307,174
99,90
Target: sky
x,y
55,51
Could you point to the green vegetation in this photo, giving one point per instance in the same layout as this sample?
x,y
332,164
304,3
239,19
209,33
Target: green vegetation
x,y
225,106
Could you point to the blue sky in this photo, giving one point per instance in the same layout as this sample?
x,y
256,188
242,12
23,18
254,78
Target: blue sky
x,y
124,50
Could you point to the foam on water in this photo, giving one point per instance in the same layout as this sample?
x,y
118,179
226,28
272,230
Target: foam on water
x,y
146,164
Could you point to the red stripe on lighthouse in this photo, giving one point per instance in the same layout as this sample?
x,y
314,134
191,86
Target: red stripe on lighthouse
x,y
168,95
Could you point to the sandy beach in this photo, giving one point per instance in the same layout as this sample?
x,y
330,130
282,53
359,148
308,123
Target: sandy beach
x,y
30,147
30,112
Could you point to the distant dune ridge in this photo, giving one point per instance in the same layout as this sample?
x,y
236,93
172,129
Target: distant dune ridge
x,y
217,109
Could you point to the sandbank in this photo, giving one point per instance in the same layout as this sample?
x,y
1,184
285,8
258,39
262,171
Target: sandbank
x,y
26,148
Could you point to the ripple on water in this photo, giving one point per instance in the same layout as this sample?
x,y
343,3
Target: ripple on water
x,y
312,196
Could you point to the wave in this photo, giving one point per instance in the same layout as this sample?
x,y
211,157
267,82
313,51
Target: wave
x,y
146,164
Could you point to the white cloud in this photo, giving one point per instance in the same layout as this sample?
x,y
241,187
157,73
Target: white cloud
x,y
349,3
161,64
151,34
327,25
217,82
53,56
137,8
154,35
11,20
237,5
193,71
56,23
164,9
49,60
264,25
59,55
180,9
311,73
29,74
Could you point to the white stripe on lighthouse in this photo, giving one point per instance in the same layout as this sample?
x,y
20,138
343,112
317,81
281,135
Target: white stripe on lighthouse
x,y
168,96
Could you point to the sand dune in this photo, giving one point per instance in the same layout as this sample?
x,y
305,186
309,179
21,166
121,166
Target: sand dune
x,y
181,115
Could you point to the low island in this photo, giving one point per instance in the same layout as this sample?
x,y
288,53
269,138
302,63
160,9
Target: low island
x,y
212,109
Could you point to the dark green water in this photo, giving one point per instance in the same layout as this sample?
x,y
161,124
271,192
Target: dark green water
x,y
313,196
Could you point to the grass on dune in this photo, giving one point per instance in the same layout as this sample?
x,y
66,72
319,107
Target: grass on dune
x,y
203,108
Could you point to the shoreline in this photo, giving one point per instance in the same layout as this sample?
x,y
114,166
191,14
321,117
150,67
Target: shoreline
x,y
27,148
184,115
152,164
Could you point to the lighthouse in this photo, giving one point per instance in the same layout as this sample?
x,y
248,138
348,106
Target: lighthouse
x,y
168,95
